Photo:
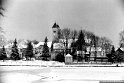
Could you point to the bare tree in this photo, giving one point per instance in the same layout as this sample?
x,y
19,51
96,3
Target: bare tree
x,y
105,44
66,32
121,42
91,39
74,34
2,38
3,6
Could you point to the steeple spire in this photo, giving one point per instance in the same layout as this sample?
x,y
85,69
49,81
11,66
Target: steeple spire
x,y
55,25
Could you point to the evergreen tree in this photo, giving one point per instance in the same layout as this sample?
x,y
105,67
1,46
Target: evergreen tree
x,y
119,56
113,50
45,51
81,42
15,53
29,51
3,55
111,57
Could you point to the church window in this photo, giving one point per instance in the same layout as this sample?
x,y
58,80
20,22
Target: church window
x,y
54,31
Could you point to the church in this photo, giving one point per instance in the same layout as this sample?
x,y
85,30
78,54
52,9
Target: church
x,y
59,45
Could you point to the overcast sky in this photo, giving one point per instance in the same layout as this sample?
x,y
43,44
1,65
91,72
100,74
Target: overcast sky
x,y
33,19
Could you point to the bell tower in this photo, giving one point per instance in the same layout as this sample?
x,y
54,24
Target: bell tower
x,y
56,30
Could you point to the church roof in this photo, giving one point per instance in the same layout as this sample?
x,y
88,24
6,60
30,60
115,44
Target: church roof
x,y
55,25
120,50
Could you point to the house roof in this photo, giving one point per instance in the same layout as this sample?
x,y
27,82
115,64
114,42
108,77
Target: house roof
x,y
9,45
23,44
120,50
93,49
42,43
58,46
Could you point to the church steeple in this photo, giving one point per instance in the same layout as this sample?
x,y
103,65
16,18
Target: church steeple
x,y
55,25
56,30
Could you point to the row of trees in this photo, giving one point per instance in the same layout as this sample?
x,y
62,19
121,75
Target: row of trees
x,y
76,45
83,39
116,56
94,41
88,37
2,38
28,53
79,45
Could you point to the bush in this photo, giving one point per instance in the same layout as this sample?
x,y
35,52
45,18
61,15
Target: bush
x,y
111,58
60,57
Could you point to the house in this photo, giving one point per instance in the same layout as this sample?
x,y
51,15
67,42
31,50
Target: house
x,y
38,48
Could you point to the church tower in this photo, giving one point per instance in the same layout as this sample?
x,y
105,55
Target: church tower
x,y
56,30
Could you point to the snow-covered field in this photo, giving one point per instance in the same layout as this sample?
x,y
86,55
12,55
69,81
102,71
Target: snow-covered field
x,y
54,63
31,63
55,72
38,74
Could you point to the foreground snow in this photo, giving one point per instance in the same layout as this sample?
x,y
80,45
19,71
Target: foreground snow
x,y
31,63
54,64
38,74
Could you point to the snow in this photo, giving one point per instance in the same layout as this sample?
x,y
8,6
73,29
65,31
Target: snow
x,y
32,74
19,78
31,63
56,64
39,71
58,46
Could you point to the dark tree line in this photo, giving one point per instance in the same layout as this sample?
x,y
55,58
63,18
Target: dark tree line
x,y
15,52
28,52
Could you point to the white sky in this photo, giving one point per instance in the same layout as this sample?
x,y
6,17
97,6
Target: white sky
x,y
33,19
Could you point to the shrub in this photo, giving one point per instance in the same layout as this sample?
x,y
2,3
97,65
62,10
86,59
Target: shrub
x,y
60,57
